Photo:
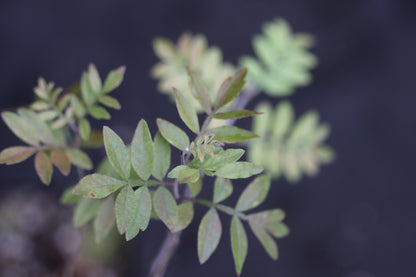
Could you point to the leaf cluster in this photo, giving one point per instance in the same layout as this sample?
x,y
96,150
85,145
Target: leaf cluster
x,y
56,121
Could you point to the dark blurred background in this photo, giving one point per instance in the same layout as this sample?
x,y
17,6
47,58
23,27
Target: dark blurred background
x,y
356,219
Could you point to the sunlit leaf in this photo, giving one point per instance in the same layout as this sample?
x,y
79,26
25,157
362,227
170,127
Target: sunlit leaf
x,y
186,112
161,162
173,134
254,194
235,114
209,234
117,152
239,243
105,219
231,134
239,170
125,208
98,185
230,89
79,158
222,189
61,161
114,79
84,211
43,167
142,154
16,154
166,207
142,213
185,216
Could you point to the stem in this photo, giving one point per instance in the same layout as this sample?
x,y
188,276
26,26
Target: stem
x,y
161,262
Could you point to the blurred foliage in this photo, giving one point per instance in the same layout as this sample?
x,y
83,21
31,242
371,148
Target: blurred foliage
x,y
287,146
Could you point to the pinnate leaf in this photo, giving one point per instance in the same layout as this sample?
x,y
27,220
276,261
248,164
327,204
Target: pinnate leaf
x,y
16,154
43,167
230,89
222,189
166,207
98,185
186,112
209,234
105,219
173,134
114,79
239,170
125,208
61,161
254,194
117,152
231,134
235,114
142,154
239,243
161,161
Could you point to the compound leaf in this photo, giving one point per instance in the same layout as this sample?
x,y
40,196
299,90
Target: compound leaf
x,y
114,79
98,185
142,154
173,134
161,161
239,243
230,88
117,152
186,112
238,170
231,134
166,207
125,208
142,214
254,194
222,189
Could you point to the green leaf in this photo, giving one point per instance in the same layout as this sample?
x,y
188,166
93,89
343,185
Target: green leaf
x,y
174,173
185,216
239,170
78,107
271,220
84,129
283,120
105,219
21,128
61,161
225,157
254,194
16,154
142,154
84,211
87,93
188,175
209,234
39,126
161,162
95,140
98,185
68,197
173,134
110,102
265,239
199,90
278,229
238,244
235,114
142,214
114,79
99,112
79,158
166,207
230,88
117,152
126,206
231,134
43,167
94,79
222,189
196,187
186,112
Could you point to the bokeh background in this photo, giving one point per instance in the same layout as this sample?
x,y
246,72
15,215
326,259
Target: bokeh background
x,y
356,219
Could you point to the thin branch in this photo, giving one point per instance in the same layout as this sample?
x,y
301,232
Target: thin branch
x,y
165,254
